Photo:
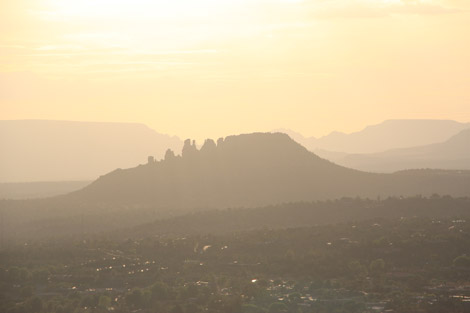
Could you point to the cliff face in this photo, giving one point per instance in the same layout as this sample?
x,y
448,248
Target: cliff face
x,y
255,169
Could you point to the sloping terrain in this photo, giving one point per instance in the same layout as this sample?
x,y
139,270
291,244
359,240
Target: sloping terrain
x,y
41,150
257,169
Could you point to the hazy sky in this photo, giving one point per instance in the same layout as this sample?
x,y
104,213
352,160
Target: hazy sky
x,y
208,68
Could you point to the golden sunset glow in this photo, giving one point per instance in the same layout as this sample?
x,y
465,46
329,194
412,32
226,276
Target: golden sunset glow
x,y
219,67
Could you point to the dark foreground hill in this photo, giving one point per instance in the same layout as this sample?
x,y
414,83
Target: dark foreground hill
x,y
257,169
302,214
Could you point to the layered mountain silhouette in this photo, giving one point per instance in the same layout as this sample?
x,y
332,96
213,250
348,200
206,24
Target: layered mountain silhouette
x,y
453,153
239,171
391,134
41,150
256,169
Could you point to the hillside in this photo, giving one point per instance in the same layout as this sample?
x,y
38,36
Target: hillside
x,y
301,214
452,154
41,150
39,189
390,134
249,170
257,169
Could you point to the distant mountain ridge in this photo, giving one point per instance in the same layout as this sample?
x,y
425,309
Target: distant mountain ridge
x,y
43,150
453,154
390,134
256,169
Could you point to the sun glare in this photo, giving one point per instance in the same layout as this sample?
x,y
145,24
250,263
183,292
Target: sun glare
x,y
137,9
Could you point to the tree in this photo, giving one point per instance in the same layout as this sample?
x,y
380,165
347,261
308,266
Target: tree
x,y
104,302
159,291
377,267
462,261
177,309
135,298
251,308
277,307
35,305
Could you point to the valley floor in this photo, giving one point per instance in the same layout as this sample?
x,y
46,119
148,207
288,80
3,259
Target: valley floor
x,y
379,265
